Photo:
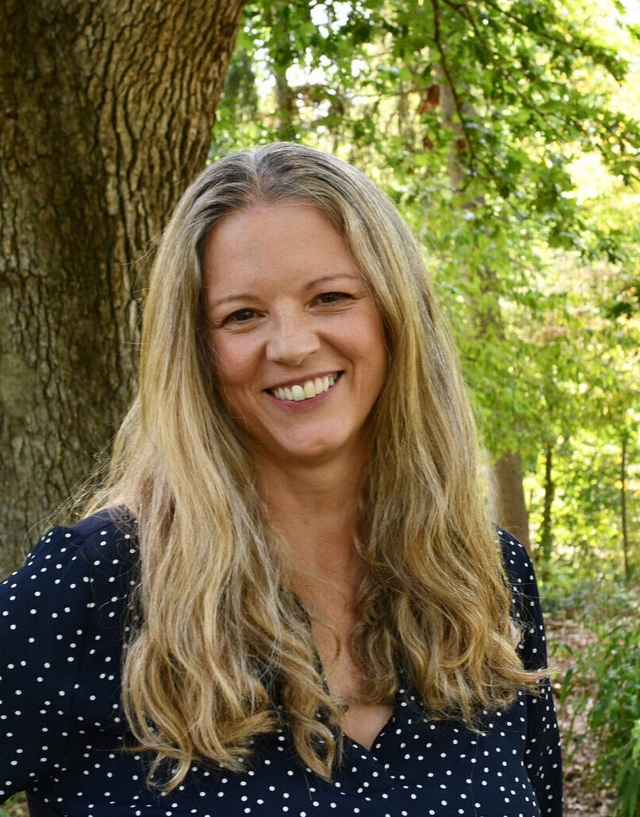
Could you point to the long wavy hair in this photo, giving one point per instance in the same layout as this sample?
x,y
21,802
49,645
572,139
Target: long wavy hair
x,y
221,635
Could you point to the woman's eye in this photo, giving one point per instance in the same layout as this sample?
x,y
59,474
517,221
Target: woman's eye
x,y
332,297
239,316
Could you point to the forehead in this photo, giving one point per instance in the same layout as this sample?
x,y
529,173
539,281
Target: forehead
x,y
289,238
292,211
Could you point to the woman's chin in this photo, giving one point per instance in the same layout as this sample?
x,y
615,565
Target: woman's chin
x,y
309,453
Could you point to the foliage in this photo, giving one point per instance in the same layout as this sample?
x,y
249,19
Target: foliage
x,y
471,115
501,131
15,807
612,662
615,715
570,595
587,375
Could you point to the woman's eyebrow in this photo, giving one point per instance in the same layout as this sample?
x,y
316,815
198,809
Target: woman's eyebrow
x,y
247,296
240,296
325,279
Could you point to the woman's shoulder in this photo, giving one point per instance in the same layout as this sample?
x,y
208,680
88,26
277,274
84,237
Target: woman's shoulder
x,y
517,562
107,537
106,527
63,616
525,598
99,554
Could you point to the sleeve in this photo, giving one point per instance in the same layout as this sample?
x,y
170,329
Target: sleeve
x,y
53,612
543,758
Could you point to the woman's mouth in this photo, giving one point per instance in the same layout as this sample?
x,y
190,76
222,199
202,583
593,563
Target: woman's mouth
x,y
306,389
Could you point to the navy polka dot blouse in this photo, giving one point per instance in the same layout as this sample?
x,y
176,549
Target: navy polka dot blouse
x,y
62,731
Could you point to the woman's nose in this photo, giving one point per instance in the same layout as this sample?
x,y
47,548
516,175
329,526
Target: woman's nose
x,y
292,339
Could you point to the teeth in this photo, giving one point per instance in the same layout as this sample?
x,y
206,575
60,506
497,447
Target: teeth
x,y
306,390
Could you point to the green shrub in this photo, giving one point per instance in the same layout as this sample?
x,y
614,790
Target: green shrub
x,y
613,712
15,807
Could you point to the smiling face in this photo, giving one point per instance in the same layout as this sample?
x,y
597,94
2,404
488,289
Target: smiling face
x,y
298,343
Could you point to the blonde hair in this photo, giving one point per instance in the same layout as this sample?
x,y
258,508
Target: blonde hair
x,y
220,634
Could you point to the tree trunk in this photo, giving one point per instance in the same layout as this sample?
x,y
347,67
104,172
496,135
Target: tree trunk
x,y
108,109
510,507
623,508
545,545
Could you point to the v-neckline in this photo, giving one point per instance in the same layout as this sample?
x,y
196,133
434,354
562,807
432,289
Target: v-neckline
x,y
320,666
379,734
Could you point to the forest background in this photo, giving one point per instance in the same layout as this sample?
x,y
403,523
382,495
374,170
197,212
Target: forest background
x,y
508,135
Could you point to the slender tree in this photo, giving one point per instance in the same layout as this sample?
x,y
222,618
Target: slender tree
x,y
107,113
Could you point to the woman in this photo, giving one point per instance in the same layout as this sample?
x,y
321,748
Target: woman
x,y
289,599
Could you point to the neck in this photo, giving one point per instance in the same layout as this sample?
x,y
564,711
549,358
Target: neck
x,y
316,510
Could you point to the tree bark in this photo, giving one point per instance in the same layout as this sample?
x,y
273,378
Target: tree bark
x,y
510,507
107,110
623,508
545,545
